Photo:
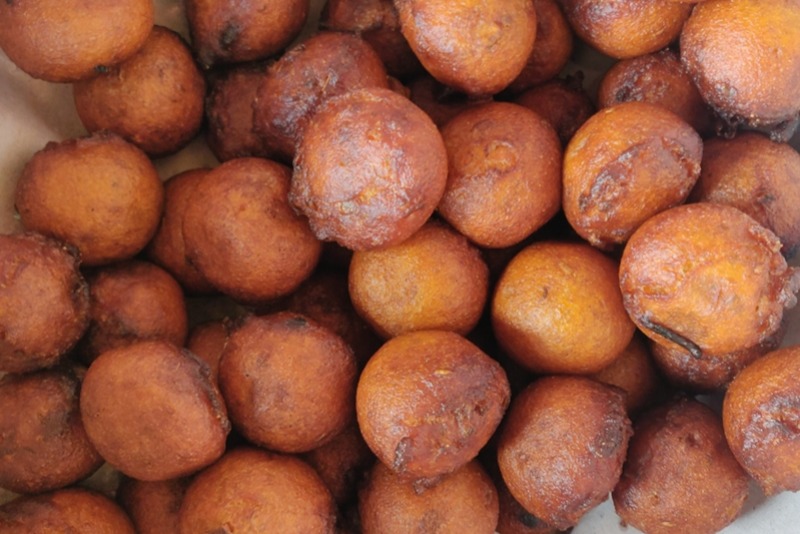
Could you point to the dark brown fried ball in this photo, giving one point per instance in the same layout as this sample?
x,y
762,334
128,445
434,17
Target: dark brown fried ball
x,y
758,176
428,401
624,165
504,173
562,447
462,501
154,99
326,65
44,446
562,103
62,511
476,47
742,54
243,236
557,309
252,491
153,506
514,519
434,280
152,411
634,372
761,416
237,31
288,382
706,277
370,170
440,102
65,41
207,341
99,193
44,302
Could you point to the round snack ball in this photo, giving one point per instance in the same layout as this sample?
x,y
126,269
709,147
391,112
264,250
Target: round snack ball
x,y
242,234
66,41
562,447
264,377
760,417
370,170
680,475
624,165
252,491
152,411
557,309
153,506
564,104
428,401
100,194
44,444
462,501
475,47
706,277
434,280
504,176
154,99
743,56
44,302
207,341
634,372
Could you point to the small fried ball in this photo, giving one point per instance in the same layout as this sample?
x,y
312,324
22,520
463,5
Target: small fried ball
x,y
634,372
207,341
153,506
562,103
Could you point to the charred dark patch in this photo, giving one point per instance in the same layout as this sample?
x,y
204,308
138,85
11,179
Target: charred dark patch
x,y
229,35
297,322
100,69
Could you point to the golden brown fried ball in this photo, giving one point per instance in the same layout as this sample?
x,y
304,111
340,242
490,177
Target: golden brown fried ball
x,y
680,475
504,173
562,103
207,341
44,302
623,166
66,41
152,411
634,372
153,506
441,103
370,170
100,194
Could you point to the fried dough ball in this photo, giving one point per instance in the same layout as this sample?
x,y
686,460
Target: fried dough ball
x,y
428,401
758,176
462,501
243,236
760,416
626,28
233,32
65,41
154,99
634,372
562,103
514,519
624,165
152,411
370,170
557,309
44,302
680,475
504,176
562,447
44,444
659,78
207,341
264,377
153,506
742,54
100,194
440,102
476,47
706,277
434,280
66,510
326,65
252,491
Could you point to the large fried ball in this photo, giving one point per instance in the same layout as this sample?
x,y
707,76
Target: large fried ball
x,y
706,277
564,104
370,170
462,501
562,447
242,234
152,411
762,422
252,491
100,193
623,166
634,372
44,302
557,309
476,47
153,506
65,41
742,54
428,401
680,475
